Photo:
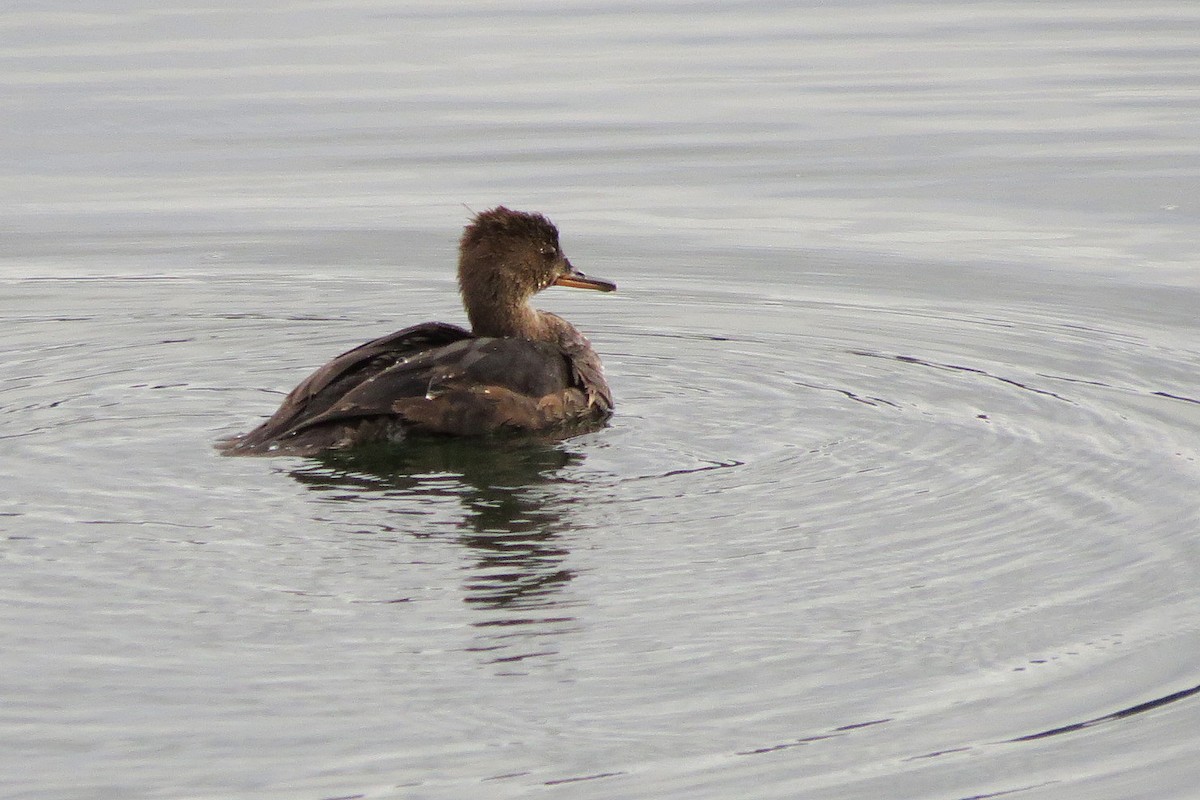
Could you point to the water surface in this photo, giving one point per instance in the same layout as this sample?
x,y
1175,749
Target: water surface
x,y
901,495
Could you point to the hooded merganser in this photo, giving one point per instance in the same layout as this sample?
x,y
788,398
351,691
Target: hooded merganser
x,y
518,369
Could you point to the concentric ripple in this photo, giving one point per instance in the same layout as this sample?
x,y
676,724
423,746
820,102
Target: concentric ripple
x,y
931,509
837,542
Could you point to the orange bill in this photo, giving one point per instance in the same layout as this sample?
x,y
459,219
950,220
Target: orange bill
x,y
577,280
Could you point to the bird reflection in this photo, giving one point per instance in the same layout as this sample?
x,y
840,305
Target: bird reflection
x,y
512,518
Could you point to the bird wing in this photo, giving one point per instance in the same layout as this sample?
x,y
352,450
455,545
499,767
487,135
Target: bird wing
x,y
323,389
466,387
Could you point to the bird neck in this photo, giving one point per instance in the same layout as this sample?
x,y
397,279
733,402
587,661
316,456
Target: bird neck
x,y
512,319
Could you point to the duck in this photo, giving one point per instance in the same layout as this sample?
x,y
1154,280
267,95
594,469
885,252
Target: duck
x,y
516,370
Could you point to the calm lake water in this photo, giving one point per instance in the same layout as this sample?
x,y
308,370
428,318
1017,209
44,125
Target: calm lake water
x,y
901,499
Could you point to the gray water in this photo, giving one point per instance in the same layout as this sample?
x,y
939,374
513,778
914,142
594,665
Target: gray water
x,y
900,500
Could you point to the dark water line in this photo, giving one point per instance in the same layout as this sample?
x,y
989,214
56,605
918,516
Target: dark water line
x,y
709,466
819,737
1149,705
960,368
1170,396
869,401
1007,792
597,776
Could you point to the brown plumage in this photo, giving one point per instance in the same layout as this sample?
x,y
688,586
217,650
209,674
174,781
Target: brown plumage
x,y
517,370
